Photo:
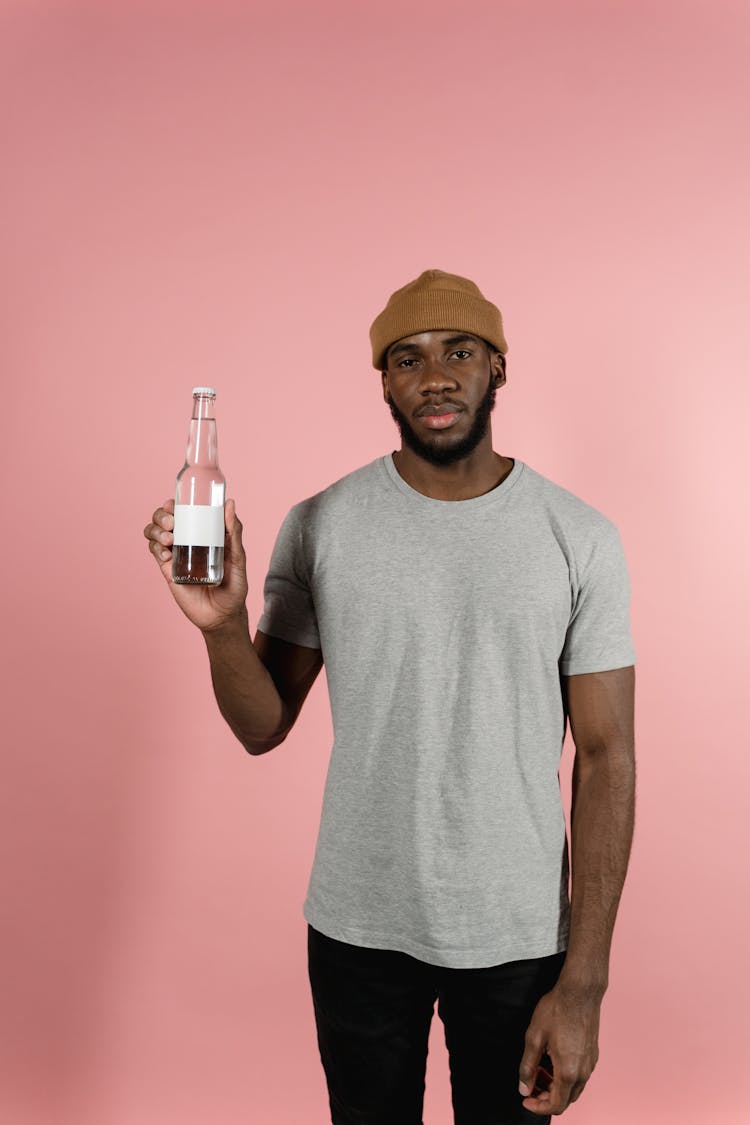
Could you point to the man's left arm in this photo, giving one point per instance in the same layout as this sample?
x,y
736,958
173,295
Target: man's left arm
x,y
565,1023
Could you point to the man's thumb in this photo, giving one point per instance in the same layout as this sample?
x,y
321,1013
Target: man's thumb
x,y
527,1071
230,516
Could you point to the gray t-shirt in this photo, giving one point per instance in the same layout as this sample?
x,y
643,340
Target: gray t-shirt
x,y
444,627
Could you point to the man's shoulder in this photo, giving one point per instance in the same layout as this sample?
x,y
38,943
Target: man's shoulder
x,y
562,505
353,487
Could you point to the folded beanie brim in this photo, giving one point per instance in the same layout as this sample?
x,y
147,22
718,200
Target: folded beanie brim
x,y
435,301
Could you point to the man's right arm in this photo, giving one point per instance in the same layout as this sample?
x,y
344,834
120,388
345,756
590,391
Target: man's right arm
x,y
259,686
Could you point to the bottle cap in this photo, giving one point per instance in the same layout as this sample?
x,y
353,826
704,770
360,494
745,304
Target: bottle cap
x,y
204,391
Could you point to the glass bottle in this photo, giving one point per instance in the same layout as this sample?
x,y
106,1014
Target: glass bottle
x,y
198,549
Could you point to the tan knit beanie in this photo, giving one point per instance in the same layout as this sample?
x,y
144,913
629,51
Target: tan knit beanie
x,y
435,300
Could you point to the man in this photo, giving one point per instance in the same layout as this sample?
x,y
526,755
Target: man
x,y
466,607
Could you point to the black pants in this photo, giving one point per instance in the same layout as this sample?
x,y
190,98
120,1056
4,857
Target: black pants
x,y
373,1010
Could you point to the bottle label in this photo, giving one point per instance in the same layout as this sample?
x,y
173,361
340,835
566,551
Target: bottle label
x,y
198,525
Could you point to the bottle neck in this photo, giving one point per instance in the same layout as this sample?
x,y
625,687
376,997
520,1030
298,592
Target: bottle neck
x,y
203,407
202,447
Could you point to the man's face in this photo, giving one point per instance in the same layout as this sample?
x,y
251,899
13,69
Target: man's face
x,y
440,387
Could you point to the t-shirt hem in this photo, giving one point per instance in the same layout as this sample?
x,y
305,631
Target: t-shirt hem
x,y
284,632
479,957
580,667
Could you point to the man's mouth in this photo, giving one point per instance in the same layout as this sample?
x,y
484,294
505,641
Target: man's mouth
x,y
439,417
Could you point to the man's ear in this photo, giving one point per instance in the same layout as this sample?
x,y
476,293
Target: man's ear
x,y
384,378
499,369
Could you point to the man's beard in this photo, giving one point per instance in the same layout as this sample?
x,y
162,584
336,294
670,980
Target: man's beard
x,y
447,454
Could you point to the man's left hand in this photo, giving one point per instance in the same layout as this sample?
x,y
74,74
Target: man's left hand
x,y
565,1023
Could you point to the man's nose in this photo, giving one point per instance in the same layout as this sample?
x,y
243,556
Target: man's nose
x,y
435,376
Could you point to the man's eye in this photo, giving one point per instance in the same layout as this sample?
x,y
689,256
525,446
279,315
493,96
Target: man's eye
x,y
459,351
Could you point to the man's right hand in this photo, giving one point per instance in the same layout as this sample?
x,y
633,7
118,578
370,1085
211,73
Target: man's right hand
x,y
208,607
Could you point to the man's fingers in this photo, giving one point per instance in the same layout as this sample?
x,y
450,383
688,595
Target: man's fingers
x,y
555,1100
156,534
159,531
527,1070
559,1094
577,1090
163,517
540,1104
160,550
159,534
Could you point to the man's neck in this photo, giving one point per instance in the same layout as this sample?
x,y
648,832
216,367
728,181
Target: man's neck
x,y
465,479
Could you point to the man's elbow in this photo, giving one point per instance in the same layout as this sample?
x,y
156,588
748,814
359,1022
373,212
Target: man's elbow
x,y
614,758
256,747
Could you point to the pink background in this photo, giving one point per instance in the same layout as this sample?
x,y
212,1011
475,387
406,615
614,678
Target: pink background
x,y
218,194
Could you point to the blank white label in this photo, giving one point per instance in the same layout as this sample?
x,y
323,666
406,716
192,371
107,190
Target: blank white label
x,y
198,525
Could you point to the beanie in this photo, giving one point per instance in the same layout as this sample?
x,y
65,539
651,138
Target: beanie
x,y
435,300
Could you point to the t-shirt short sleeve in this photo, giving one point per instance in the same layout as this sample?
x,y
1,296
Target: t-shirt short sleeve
x,y
288,609
598,637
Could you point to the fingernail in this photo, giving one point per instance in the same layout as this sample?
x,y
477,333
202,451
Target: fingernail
x,y
165,554
523,1089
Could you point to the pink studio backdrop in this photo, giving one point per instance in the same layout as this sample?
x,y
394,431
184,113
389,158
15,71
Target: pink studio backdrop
x,y
218,194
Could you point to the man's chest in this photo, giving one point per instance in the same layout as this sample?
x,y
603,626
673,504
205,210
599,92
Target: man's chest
x,y
436,581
